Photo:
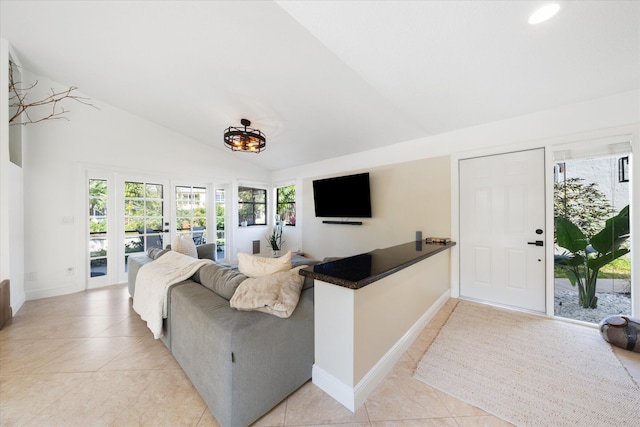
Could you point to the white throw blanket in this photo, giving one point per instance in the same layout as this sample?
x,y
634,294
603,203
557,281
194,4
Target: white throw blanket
x,y
153,281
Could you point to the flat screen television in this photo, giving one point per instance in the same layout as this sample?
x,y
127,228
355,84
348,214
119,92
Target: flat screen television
x,y
343,197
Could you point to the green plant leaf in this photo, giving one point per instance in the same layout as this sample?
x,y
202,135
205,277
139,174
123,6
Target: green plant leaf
x,y
614,234
566,261
569,236
599,262
571,275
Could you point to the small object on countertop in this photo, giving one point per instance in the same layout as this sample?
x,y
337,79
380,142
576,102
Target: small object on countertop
x,y
442,240
621,331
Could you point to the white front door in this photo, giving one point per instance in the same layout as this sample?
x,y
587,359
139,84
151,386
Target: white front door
x,y
502,214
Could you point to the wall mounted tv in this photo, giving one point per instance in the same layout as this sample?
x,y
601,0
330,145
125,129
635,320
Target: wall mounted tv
x,y
343,197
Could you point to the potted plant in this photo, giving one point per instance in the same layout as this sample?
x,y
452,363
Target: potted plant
x,y
275,238
584,256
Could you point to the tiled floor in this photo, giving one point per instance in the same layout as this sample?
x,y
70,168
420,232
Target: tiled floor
x,y
88,360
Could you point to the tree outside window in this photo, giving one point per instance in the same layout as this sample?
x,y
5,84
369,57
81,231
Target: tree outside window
x,y
286,204
252,206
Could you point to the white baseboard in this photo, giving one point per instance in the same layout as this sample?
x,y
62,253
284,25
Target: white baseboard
x,y
52,292
333,387
17,305
353,398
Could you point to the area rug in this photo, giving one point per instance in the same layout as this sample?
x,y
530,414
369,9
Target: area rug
x,y
530,370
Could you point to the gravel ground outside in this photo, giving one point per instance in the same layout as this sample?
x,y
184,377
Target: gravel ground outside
x,y
609,303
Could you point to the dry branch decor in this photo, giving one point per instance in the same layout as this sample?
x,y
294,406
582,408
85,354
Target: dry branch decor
x,y
18,102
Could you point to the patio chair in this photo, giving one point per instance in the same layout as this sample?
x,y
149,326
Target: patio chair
x,y
197,234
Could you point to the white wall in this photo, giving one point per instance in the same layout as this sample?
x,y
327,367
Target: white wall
x,y
56,153
405,198
561,124
11,193
5,268
16,237
604,172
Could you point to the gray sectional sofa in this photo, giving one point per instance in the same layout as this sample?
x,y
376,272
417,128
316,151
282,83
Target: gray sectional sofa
x,y
243,363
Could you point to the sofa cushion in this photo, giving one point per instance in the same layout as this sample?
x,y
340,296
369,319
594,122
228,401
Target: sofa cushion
x,y
220,279
277,294
207,250
155,253
256,266
184,244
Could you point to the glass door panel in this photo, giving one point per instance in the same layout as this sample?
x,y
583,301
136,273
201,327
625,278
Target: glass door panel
x,y
191,212
143,217
220,224
98,245
588,192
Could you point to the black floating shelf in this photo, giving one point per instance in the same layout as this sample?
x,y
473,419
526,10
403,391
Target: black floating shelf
x,y
343,222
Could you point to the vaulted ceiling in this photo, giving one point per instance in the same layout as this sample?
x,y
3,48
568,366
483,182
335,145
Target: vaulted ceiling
x,y
328,78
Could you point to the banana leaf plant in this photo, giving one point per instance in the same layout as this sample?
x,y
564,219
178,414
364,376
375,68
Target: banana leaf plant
x,y
584,257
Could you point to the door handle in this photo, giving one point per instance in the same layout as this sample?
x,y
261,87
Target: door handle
x,y
537,243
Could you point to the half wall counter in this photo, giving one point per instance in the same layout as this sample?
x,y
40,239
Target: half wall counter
x,y
369,308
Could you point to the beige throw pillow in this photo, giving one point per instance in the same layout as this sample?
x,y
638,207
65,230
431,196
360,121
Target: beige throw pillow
x,y
184,244
256,266
277,294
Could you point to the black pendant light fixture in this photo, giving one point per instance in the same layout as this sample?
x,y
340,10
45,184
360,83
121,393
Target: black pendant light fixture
x,y
245,139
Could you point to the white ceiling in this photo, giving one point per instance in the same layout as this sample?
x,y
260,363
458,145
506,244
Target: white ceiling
x,y
328,78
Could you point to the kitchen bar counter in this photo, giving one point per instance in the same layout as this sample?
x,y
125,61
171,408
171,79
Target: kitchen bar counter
x,y
369,309
357,271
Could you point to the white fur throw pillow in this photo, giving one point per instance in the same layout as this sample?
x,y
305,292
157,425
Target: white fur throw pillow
x,y
184,244
277,294
256,266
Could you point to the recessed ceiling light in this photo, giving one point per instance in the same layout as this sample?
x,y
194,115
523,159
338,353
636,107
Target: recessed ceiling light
x,y
544,13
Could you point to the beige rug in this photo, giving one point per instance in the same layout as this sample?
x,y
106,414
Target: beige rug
x,y
530,370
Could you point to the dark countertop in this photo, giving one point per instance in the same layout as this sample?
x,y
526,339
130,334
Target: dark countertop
x,y
357,271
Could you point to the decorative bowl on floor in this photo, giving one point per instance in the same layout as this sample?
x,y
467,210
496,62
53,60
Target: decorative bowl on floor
x,y
621,331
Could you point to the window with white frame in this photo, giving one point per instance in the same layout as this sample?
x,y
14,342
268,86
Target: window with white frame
x,y
191,212
220,223
98,227
143,217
